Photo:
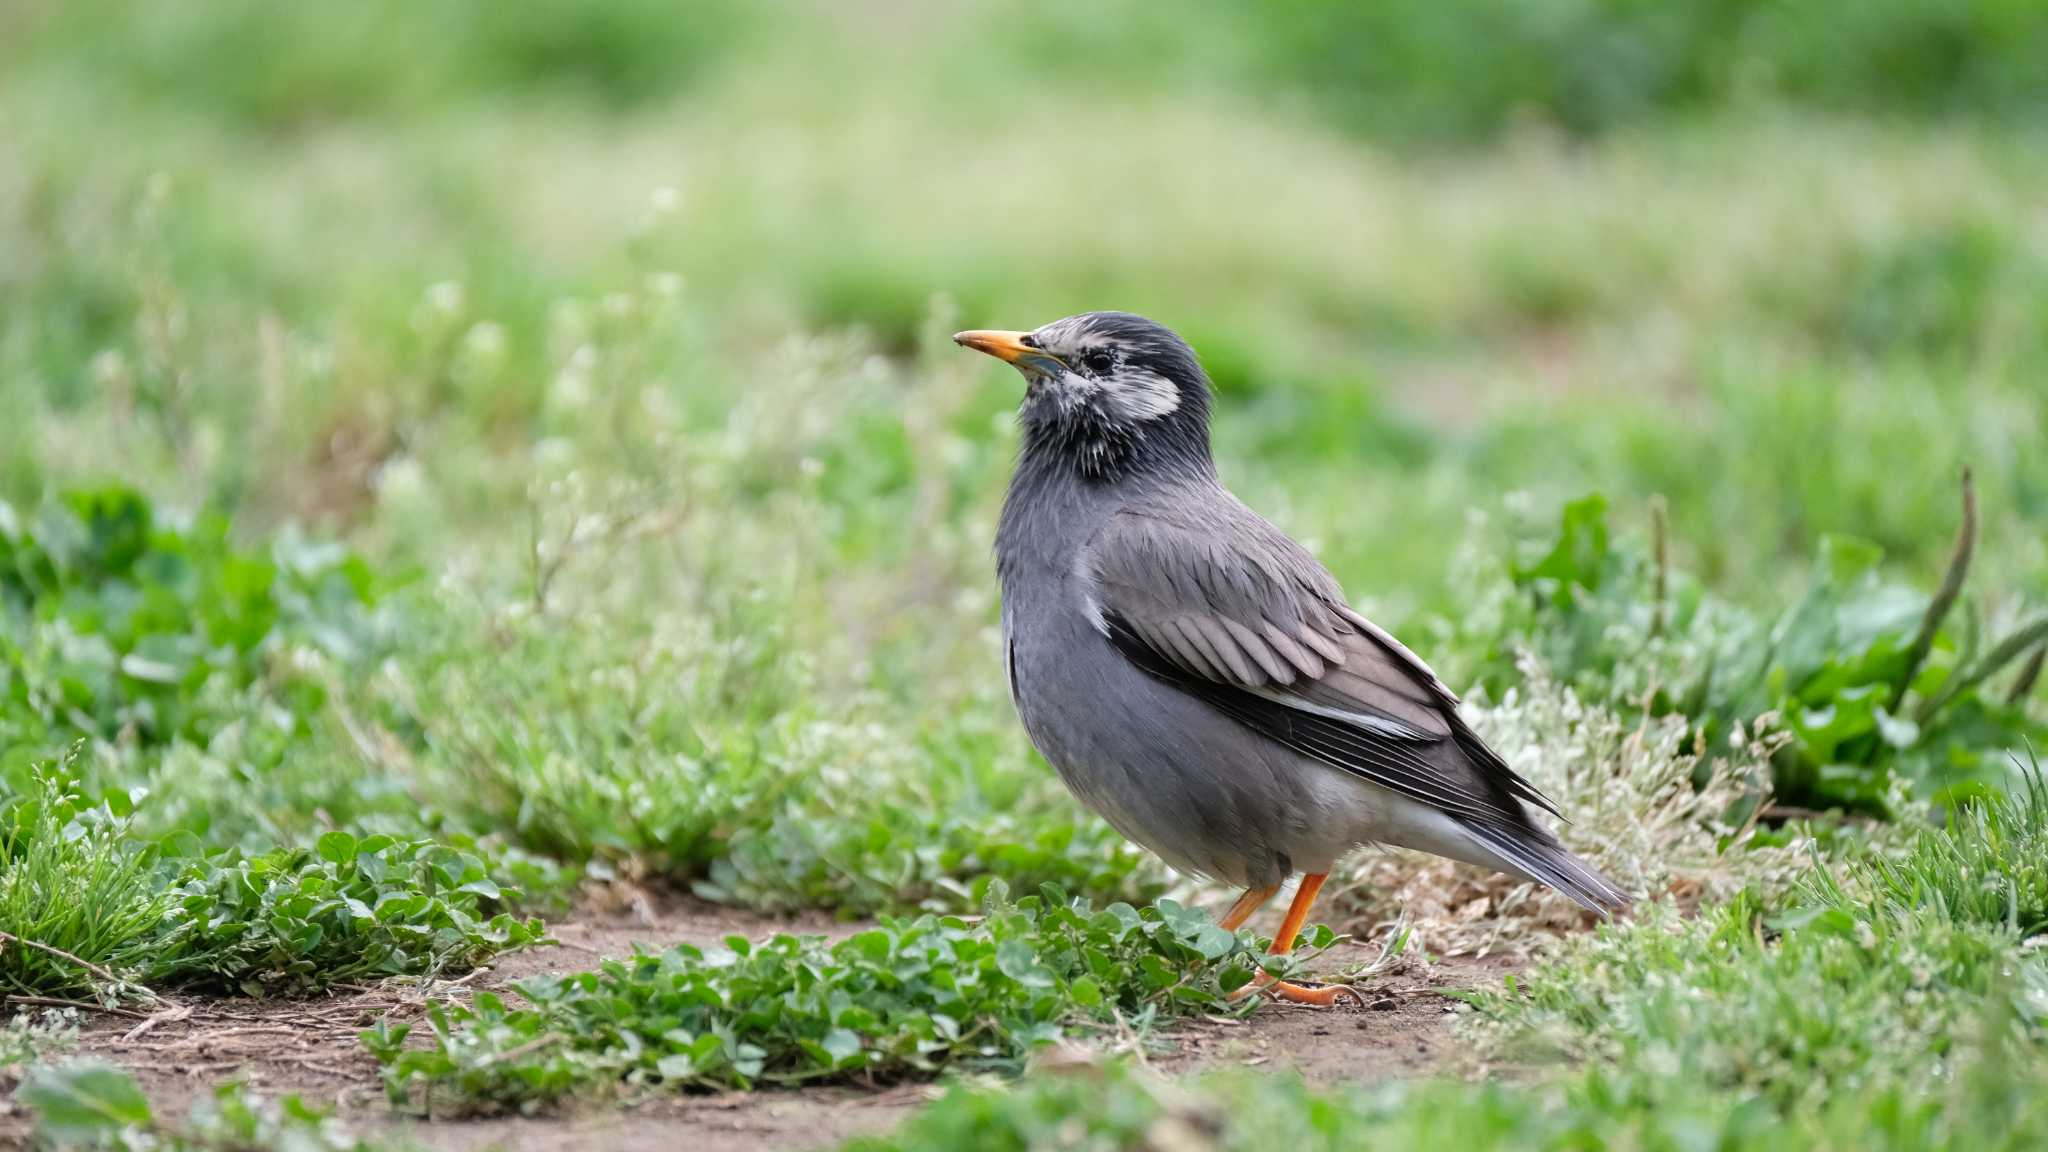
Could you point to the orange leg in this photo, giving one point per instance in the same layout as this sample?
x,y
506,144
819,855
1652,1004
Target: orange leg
x,y
1252,900
1283,943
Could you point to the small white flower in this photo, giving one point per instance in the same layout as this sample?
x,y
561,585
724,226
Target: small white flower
x,y
400,480
485,340
445,298
109,368
554,453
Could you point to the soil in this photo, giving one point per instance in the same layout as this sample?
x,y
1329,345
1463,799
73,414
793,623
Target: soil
x,y
309,1047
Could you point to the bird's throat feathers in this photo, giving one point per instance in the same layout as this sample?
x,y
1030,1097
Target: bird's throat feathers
x,y
1071,471
1071,431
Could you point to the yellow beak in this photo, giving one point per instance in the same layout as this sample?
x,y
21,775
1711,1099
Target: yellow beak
x,y
1010,348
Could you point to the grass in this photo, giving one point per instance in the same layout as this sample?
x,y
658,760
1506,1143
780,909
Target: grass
x,y
1852,1012
906,998
87,1104
709,762
1871,682
1428,74
449,461
76,885
1853,981
1992,1105
1988,870
88,907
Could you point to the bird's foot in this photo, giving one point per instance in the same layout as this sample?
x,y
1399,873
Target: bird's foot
x,y
1319,995
1316,995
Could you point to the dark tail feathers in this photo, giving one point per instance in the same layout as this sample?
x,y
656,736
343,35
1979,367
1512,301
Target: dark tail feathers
x,y
1538,856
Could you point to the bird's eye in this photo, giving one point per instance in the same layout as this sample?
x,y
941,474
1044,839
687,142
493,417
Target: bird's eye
x,y
1098,362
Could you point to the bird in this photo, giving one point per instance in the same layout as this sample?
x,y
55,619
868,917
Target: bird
x,y
1197,677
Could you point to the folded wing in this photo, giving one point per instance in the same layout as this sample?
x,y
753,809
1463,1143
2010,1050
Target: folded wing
x,y
1224,606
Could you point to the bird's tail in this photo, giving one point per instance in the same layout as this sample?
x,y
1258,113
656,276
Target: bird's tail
x,y
1537,855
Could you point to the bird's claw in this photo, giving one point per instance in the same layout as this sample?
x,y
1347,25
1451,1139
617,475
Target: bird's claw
x,y
1319,995
1316,995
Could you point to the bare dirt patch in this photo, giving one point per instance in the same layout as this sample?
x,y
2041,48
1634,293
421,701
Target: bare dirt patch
x,y
309,1047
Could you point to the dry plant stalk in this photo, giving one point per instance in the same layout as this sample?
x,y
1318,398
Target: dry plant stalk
x,y
1945,596
1633,811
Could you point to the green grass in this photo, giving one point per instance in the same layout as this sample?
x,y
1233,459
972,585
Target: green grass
x,y
1862,976
74,882
88,1104
1870,681
452,456
1989,870
1860,1010
711,762
118,915
1413,71
1994,1104
905,998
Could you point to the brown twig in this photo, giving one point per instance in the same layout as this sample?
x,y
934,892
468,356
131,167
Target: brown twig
x,y
171,1015
61,1002
10,938
89,966
545,569
1775,814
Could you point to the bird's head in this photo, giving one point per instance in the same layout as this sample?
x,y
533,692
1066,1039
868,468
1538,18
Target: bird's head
x,y
1116,394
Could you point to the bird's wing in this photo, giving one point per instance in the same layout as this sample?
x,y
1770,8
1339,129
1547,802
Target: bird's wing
x,y
1211,598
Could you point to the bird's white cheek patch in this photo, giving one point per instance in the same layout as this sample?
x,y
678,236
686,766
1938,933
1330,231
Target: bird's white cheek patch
x,y
1144,395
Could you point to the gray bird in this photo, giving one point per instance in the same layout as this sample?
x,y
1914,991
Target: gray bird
x,y
1196,676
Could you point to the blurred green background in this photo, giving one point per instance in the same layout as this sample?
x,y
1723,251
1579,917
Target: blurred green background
x,y
1784,263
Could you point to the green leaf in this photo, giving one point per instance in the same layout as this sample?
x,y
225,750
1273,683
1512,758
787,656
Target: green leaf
x,y
86,1102
1845,560
1579,556
1086,992
337,847
1015,959
1214,942
842,1045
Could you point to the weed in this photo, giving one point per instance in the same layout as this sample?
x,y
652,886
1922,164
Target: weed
x,y
75,883
295,920
1870,680
1989,867
1993,1103
92,1105
902,999
1642,802
713,763
132,631
85,906
33,1038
